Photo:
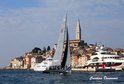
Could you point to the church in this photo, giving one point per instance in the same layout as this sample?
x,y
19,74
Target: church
x,y
75,43
78,57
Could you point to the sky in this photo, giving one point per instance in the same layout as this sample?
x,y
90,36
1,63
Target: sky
x,y
25,24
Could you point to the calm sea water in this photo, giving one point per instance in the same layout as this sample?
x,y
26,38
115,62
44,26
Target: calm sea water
x,y
31,77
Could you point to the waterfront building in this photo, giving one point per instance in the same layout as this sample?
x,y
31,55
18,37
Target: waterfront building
x,y
31,59
27,60
17,63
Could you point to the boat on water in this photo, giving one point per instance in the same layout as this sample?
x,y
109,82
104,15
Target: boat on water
x,y
105,61
43,65
61,61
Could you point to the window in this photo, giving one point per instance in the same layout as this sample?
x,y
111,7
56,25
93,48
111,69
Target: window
x,y
45,62
95,59
94,53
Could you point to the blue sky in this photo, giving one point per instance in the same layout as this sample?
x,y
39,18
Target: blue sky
x,y
15,4
25,24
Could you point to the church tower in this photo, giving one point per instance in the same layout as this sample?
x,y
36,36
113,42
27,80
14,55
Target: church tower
x,y
78,30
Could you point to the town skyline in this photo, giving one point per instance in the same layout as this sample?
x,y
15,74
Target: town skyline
x,y
27,24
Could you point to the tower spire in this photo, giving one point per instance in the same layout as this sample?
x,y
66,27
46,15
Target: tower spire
x,y
78,30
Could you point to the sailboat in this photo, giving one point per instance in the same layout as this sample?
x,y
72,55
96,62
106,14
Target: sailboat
x,y
61,61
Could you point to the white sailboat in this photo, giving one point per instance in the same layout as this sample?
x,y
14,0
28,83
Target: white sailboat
x,y
61,61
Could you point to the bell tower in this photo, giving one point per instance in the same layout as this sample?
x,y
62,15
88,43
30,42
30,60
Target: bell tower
x,y
78,30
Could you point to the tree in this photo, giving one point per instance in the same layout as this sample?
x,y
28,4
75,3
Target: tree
x,y
44,50
36,50
82,44
48,48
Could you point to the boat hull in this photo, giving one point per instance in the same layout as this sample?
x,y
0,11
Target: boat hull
x,y
57,71
104,70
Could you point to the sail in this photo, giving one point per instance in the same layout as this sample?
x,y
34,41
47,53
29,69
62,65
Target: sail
x,y
60,44
66,62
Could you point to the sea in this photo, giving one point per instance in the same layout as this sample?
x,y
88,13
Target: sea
x,y
32,77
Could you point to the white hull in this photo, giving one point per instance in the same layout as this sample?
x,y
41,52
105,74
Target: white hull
x,y
43,65
39,67
105,59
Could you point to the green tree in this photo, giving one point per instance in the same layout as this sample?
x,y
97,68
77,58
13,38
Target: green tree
x,y
36,50
44,50
48,48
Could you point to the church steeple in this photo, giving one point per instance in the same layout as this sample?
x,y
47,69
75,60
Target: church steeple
x,y
78,30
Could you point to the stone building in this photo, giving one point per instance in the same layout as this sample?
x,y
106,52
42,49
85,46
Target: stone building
x,y
17,63
31,59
